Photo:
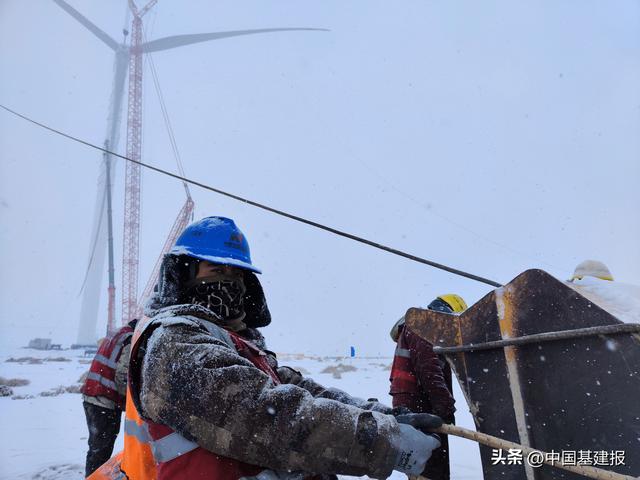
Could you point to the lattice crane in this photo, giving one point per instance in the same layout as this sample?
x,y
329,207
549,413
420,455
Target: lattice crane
x,y
134,55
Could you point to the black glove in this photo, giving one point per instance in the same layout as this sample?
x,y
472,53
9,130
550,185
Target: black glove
x,y
420,421
395,411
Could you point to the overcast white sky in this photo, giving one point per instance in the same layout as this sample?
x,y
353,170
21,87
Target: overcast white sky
x,y
490,136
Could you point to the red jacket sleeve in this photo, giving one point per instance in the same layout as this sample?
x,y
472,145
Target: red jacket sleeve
x,y
432,394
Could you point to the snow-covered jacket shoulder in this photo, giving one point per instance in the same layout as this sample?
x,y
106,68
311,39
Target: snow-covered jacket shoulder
x,y
194,381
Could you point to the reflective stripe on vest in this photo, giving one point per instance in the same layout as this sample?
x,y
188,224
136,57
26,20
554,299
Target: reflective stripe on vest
x,y
402,376
141,432
105,361
102,380
403,352
112,361
171,447
164,449
137,462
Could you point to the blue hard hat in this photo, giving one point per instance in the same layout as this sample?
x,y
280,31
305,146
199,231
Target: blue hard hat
x,y
216,240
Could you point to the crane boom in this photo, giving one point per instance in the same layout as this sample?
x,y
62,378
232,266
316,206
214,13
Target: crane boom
x,y
180,223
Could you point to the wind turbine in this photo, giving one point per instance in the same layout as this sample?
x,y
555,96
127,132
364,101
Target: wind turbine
x,y
130,55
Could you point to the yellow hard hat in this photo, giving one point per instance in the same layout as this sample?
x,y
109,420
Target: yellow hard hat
x,y
456,302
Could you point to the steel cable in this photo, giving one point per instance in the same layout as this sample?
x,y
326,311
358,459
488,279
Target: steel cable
x,y
320,226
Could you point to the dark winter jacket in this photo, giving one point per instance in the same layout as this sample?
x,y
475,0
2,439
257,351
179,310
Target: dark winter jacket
x,y
420,380
195,382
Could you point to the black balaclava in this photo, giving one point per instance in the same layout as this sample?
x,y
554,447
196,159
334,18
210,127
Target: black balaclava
x,y
223,294
177,276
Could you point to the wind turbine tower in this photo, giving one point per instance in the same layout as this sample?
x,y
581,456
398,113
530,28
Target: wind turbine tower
x,y
103,234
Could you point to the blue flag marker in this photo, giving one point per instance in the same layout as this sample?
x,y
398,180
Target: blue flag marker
x,y
353,351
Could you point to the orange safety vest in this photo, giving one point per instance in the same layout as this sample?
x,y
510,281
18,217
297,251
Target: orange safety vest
x,y
153,451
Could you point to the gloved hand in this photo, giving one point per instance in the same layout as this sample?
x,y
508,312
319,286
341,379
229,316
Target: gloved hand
x,y
414,449
422,421
374,405
273,475
289,375
395,411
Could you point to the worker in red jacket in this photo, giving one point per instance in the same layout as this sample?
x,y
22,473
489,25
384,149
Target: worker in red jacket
x,y
104,394
421,380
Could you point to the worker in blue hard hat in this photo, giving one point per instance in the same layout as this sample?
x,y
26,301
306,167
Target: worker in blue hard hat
x,y
208,400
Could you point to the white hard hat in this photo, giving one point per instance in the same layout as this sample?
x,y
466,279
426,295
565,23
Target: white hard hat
x,y
592,268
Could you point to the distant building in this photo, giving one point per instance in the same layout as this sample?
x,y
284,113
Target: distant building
x,y
40,343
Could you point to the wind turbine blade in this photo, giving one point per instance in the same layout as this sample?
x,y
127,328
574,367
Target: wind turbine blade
x,y
111,43
180,40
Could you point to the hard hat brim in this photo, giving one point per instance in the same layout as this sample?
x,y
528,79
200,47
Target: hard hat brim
x,y
232,262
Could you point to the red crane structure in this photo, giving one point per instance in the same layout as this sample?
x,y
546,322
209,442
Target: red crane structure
x,y
131,304
181,222
131,234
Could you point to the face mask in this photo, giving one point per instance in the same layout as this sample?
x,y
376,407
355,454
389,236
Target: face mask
x,y
223,295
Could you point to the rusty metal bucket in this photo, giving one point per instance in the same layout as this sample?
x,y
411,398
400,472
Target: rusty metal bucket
x,y
566,393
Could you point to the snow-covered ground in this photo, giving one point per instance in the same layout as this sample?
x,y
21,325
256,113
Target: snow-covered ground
x,y
44,431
